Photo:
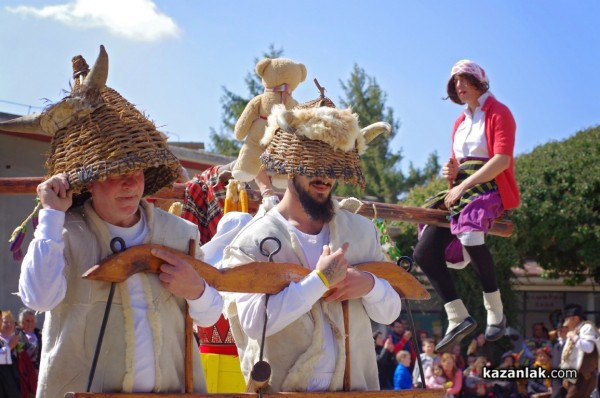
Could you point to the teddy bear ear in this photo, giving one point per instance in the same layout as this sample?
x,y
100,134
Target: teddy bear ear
x,y
303,70
262,65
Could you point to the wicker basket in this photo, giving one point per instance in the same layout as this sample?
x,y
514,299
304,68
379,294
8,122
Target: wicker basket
x,y
292,154
114,139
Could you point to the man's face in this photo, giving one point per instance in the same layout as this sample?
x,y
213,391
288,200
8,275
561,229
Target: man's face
x,y
116,199
398,328
571,322
314,195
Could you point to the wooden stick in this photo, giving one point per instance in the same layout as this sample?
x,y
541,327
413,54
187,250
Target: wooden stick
x,y
259,376
188,327
387,211
345,312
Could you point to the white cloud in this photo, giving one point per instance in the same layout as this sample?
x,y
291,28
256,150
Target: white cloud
x,y
132,19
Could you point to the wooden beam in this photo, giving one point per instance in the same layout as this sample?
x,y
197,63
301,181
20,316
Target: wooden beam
x,y
387,211
412,393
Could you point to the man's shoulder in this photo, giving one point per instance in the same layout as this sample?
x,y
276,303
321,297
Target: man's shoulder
x,y
355,221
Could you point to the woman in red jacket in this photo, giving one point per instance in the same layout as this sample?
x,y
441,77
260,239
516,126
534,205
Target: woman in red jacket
x,y
481,187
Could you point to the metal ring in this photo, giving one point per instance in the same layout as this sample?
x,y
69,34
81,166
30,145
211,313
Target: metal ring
x,y
113,245
264,252
405,262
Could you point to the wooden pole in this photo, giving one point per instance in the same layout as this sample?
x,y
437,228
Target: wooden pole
x,y
387,211
345,312
188,333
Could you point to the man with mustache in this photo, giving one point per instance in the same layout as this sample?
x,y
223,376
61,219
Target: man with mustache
x,y
303,332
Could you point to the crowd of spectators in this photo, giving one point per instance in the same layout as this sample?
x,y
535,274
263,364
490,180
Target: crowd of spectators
x,y
460,371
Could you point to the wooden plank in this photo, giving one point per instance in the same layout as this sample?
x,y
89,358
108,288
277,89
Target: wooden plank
x,y
412,393
387,211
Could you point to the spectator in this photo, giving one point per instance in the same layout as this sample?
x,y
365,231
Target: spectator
x,y
427,358
401,336
402,379
452,374
480,347
460,360
543,359
9,377
539,337
475,385
30,335
434,376
386,361
506,388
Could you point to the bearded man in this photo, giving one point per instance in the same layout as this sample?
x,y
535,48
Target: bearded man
x,y
303,332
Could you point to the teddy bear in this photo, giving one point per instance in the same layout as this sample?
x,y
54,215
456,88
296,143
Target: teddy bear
x,y
280,77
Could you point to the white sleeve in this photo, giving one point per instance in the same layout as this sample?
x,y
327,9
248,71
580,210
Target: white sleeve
x,y
206,309
283,308
587,339
382,303
42,284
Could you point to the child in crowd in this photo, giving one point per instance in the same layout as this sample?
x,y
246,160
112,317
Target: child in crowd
x,y
427,358
434,376
402,379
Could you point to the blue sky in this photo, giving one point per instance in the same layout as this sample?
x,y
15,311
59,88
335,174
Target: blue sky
x,y
172,57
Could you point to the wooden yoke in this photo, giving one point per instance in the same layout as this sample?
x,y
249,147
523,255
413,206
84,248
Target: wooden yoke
x,y
254,277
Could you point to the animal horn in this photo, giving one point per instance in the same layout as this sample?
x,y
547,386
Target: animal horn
x,y
99,73
29,124
373,130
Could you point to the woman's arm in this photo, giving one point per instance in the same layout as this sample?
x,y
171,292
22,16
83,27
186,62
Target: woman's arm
x,y
496,165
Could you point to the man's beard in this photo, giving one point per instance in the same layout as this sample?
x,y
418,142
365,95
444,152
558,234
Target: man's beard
x,y
318,211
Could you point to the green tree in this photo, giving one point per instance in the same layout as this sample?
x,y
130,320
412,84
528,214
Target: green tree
x,y
232,106
558,222
381,167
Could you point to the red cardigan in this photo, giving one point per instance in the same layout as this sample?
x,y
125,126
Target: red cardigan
x,y
500,128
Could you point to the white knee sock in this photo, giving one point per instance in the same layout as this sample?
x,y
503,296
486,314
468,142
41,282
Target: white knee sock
x,y
456,311
493,304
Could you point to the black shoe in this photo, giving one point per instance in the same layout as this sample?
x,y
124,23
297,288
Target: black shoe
x,y
495,332
456,335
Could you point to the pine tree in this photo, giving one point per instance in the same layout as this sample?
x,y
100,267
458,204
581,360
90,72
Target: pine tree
x,y
384,179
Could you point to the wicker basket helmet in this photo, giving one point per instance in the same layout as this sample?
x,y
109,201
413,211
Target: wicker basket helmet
x,y
96,133
314,139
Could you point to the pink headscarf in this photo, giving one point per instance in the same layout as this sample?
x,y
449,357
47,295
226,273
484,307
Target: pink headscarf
x,y
470,67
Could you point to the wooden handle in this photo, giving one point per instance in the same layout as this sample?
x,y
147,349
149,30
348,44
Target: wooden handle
x,y
255,277
259,377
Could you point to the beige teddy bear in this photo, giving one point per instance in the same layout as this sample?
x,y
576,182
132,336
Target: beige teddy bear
x,y
280,77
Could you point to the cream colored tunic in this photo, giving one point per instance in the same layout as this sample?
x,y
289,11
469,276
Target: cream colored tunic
x,y
71,328
294,351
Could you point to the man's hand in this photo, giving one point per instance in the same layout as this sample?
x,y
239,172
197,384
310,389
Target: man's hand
x,y
355,285
54,193
333,265
179,277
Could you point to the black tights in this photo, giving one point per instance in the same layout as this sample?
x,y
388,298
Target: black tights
x,y
429,255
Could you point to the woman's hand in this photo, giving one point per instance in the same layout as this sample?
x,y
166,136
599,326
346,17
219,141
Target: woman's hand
x,y
450,170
